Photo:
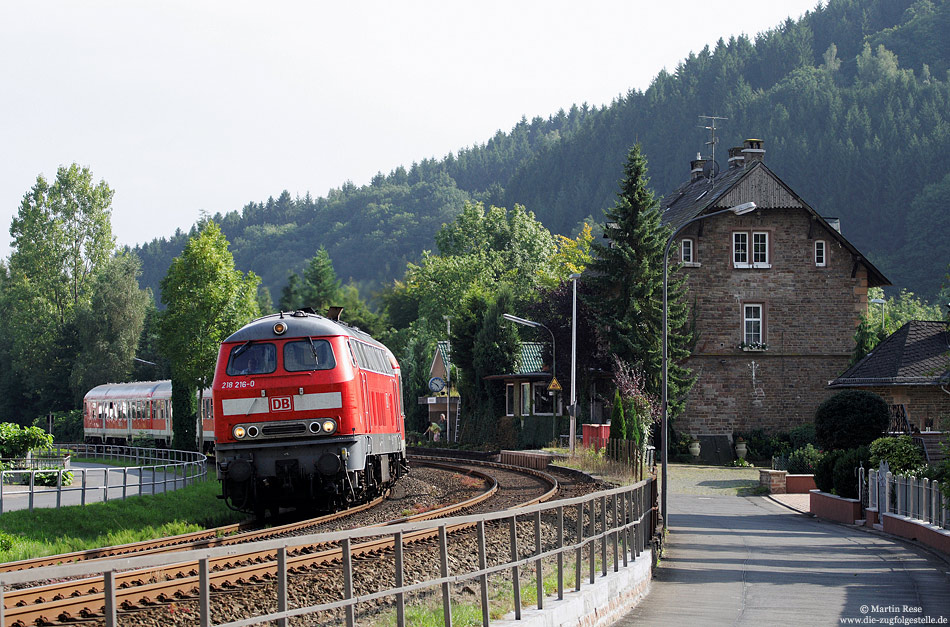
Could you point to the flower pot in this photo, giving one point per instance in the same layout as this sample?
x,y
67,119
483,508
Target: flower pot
x,y
741,449
694,448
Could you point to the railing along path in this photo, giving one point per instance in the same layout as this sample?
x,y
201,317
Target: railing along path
x,y
151,471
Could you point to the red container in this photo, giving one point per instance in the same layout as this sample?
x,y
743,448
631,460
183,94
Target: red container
x,y
595,435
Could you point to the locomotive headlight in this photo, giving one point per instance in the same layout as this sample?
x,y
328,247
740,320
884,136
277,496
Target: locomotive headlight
x,y
280,328
329,426
239,432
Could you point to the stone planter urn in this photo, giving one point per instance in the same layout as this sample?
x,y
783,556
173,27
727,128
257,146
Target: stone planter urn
x,y
741,448
694,448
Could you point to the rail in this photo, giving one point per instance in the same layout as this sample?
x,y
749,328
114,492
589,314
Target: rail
x,y
148,471
612,527
921,499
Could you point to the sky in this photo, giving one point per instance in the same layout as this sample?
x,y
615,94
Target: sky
x,y
185,107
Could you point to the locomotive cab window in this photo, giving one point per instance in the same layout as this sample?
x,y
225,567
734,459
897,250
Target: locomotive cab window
x,y
250,358
304,356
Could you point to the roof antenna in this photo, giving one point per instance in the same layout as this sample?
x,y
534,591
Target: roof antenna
x,y
710,126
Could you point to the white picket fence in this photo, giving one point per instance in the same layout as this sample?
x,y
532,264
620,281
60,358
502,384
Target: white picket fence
x,y
920,499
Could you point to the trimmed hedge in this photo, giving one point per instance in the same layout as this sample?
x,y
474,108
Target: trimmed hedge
x,y
850,418
824,471
845,479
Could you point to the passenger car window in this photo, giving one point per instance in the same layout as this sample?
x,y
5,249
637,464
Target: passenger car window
x,y
299,356
250,358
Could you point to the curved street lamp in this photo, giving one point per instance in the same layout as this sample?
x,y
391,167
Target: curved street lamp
x,y
881,302
739,210
532,323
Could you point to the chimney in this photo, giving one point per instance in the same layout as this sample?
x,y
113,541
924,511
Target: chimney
x,y
736,158
696,167
753,150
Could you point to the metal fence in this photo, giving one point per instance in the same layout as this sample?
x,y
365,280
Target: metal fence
x,y
133,471
610,529
921,499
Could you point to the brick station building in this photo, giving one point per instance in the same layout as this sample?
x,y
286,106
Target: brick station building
x,y
776,295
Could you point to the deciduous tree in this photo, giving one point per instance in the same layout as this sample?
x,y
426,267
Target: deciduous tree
x,y
62,235
207,299
110,326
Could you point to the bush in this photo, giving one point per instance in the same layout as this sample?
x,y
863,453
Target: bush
x,y
49,479
802,436
900,453
844,477
850,418
802,461
824,471
6,541
16,441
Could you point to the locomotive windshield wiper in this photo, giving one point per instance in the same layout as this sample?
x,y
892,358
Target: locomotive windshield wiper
x,y
241,348
313,349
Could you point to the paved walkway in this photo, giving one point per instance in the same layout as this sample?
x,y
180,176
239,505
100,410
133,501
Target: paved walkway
x,y
121,482
734,560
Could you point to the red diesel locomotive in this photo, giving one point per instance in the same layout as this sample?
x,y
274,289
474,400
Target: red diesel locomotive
x,y
308,413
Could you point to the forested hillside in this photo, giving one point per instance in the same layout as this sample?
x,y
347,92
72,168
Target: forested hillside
x,y
852,101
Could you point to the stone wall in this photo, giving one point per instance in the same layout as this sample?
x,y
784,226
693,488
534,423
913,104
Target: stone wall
x,y
810,315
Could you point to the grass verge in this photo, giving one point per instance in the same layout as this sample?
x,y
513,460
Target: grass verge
x,y
54,531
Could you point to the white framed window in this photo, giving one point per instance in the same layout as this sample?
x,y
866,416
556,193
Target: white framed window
x,y
760,249
752,327
821,258
740,249
525,399
510,399
750,250
543,402
686,251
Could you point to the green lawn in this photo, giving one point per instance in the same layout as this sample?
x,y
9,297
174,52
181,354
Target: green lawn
x,y
68,529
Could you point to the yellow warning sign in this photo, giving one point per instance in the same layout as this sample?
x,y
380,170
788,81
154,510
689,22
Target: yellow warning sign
x,y
554,386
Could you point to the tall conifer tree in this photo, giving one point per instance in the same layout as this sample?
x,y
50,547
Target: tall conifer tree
x,y
627,287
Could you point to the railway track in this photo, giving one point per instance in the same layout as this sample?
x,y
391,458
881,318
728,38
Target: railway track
x,y
84,599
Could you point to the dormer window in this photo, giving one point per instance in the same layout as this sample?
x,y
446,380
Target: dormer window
x,y
821,258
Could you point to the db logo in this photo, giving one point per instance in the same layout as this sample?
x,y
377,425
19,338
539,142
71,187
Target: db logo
x,y
280,403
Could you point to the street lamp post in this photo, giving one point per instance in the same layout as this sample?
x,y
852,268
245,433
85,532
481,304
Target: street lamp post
x,y
880,301
532,323
573,410
738,210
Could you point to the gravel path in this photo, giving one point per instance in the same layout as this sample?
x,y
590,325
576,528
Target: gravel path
x,y
711,480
